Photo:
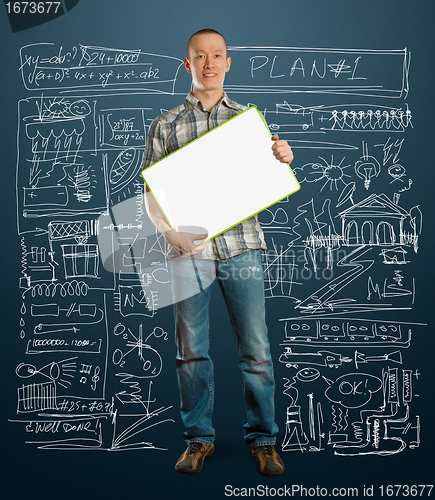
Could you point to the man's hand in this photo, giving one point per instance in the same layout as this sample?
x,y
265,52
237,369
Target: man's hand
x,y
282,151
183,243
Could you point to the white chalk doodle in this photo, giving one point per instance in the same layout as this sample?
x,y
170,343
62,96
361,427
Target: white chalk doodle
x,y
339,269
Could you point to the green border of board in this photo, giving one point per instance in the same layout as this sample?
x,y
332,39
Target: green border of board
x,y
191,142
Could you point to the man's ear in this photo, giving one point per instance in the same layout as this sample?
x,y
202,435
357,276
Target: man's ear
x,y
227,67
187,65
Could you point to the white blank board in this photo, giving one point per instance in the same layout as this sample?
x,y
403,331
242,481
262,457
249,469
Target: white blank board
x,y
222,178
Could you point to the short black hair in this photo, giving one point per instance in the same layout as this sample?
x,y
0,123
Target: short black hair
x,y
206,31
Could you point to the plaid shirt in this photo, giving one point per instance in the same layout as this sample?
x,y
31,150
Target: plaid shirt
x,y
176,128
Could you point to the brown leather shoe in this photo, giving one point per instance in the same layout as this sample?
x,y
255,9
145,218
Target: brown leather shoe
x,y
192,460
269,463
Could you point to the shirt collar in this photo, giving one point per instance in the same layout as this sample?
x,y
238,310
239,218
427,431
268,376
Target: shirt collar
x,y
194,102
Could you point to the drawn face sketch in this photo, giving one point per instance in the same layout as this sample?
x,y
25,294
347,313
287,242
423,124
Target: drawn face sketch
x,y
301,384
397,172
80,108
307,375
126,156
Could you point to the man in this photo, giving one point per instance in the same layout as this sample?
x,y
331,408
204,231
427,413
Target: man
x,y
232,259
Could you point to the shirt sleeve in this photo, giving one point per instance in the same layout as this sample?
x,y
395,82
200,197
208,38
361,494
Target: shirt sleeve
x,y
155,144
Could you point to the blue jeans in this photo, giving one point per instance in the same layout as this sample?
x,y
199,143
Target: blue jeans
x,y
242,285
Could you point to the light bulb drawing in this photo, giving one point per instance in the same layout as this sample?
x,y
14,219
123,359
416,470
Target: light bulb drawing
x,y
367,167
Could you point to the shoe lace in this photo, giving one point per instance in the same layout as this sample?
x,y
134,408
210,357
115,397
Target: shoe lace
x,y
194,448
268,450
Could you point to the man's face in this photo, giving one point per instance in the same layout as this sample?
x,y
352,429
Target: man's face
x,y
207,61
